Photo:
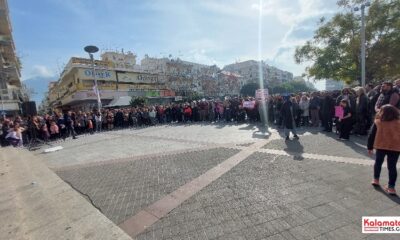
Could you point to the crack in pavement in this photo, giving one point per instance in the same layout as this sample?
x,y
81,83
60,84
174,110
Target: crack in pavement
x,y
86,196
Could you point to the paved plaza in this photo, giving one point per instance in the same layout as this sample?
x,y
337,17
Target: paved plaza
x,y
218,181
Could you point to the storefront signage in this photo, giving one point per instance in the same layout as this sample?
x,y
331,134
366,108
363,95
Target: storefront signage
x,y
100,74
137,78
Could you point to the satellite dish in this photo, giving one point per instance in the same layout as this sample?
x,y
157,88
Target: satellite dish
x,y
91,49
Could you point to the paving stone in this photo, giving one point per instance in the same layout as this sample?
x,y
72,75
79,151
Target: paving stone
x,y
241,199
122,189
323,144
266,196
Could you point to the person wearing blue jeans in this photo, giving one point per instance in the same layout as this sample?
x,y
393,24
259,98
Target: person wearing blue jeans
x,y
392,158
385,139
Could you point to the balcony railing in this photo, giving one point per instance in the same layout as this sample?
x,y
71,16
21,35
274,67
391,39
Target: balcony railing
x,y
9,94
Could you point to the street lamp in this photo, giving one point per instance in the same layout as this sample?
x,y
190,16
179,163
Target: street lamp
x,y
93,49
362,7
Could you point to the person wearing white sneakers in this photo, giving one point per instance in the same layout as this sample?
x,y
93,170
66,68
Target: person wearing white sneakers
x,y
385,139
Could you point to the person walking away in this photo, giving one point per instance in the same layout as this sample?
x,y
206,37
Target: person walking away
x,y
385,139
287,113
305,110
362,113
388,96
346,121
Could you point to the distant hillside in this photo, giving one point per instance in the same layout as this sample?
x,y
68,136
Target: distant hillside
x,y
39,85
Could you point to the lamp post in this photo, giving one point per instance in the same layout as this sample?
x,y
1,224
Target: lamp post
x,y
362,8
90,50
2,83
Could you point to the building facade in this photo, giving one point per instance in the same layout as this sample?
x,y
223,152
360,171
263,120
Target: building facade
x,y
119,75
184,77
249,70
331,85
11,91
115,78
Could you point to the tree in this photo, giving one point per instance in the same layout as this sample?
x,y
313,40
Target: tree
x,y
291,87
335,48
138,101
249,89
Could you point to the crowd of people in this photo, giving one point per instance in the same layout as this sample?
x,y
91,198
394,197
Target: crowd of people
x,y
362,110
285,111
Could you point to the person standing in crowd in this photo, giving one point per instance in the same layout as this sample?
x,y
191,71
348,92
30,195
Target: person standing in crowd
x,y
327,112
152,116
397,85
305,111
14,137
119,119
386,142
346,121
362,113
54,130
314,107
287,113
278,111
69,124
388,96
99,121
372,94
5,127
187,113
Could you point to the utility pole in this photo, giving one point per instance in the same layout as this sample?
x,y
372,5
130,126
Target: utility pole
x,y
362,7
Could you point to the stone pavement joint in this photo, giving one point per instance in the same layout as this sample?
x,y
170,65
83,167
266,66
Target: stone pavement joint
x,y
145,218
140,157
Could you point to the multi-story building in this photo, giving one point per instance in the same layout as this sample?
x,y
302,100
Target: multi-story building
x,y
250,72
181,76
331,85
11,93
117,75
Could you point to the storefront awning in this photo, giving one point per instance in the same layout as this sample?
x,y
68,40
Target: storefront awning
x,y
120,102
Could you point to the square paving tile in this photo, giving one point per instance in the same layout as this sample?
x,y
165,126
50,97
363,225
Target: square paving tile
x,y
254,201
121,189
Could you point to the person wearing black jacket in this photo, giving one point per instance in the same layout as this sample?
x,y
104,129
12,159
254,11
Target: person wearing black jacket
x,y
288,113
69,124
346,121
362,112
315,105
327,112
